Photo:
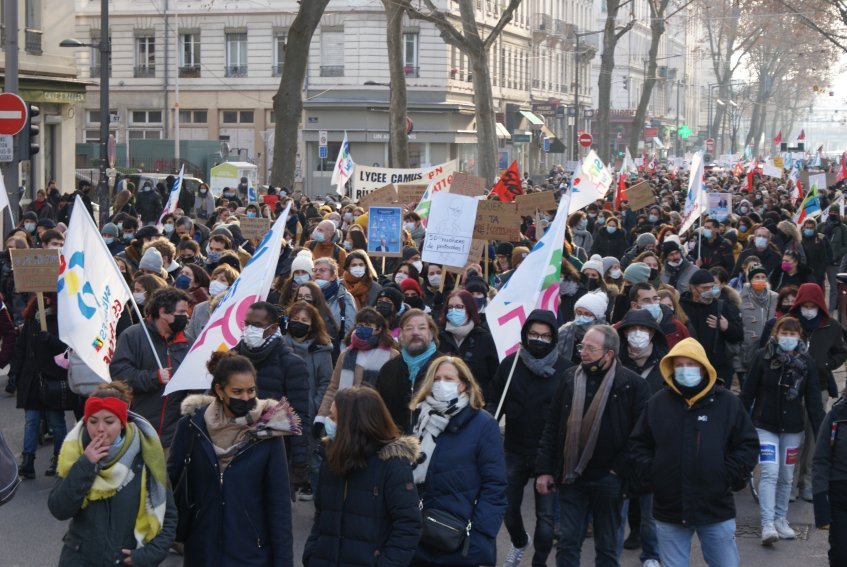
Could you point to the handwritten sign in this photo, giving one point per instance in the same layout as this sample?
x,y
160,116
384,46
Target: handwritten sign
x,y
531,202
383,196
640,196
449,235
35,269
474,256
254,229
467,184
497,221
408,193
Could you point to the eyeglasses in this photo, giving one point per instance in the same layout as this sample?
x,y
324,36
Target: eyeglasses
x,y
547,337
587,348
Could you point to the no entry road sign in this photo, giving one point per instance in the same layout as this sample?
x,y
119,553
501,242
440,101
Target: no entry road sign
x,y
13,113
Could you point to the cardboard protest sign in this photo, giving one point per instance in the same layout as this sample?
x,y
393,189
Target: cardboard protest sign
x,y
531,202
640,196
497,221
771,170
35,269
409,193
254,229
367,178
383,196
831,178
384,231
449,234
467,184
474,256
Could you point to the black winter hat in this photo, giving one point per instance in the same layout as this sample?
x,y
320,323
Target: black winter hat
x,y
670,246
701,276
394,294
504,249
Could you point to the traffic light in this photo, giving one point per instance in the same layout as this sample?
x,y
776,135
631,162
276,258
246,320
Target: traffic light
x,y
626,83
28,139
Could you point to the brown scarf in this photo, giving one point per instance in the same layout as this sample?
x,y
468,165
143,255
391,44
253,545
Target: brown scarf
x,y
358,288
583,430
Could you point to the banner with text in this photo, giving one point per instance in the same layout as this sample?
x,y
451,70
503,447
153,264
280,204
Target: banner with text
x,y
366,178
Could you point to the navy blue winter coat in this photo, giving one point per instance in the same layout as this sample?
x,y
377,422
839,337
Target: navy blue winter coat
x,y
467,465
369,517
243,517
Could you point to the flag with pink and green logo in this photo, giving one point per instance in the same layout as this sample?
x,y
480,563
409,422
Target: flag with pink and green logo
x,y
534,285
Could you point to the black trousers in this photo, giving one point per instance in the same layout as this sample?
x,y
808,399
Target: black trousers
x,y
838,526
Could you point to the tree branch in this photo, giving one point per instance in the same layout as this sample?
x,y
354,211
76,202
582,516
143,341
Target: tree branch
x,y
505,18
438,18
624,30
830,37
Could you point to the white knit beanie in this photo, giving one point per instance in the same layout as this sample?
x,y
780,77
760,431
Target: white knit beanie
x,y
594,263
303,261
597,302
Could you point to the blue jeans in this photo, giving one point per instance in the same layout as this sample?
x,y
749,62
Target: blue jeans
x,y
777,454
519,471
649,542
602,499
55,420
716,540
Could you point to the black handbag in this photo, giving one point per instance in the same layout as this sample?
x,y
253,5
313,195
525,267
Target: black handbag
x,y
182,498
56,394
445,531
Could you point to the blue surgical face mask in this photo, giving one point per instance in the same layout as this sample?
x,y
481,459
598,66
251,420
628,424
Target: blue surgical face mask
x,y
688,376
653,218
611,229
808,232
457,316
788,344
364,333
742,227
318,236
761,242
601,220
128,236
348,245
108,239
322,283
583,320
654,309
213,256
707,233
716,291
251,215
583,224
301,279
182,282
329,428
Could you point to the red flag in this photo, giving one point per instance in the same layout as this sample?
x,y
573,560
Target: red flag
x,y
509,185
778,139
738,171
802,135
620,195
750,173
842,171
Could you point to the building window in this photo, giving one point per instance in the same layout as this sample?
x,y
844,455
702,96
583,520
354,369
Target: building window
x,y
279,53
145,56
94,54
144,134
237,116
332,53
93,136
410,54
193,117
189,54
93,116
32,32
236,54
145,117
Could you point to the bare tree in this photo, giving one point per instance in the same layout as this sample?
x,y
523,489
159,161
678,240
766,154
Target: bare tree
x,y
397,131
830,18
470,42
288,100
611,36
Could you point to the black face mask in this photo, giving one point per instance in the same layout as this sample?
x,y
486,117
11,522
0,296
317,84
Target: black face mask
x,y
593,368
654,273
415,302
590,283
385,309
240,408
539,348
189,260
180,322
297,329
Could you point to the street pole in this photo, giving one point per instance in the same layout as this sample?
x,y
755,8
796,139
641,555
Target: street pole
x,y
105,117
676,138
176,90
709,125
576,101
10,85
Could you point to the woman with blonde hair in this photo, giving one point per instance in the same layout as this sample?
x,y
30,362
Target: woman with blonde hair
x,y
360,278
463,482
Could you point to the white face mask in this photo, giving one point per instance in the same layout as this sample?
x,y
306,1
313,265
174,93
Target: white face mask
x,y
809,312
435,280
357,271
139,296
400,277
418,265
615,274
252,336
638,339
444,391
216,287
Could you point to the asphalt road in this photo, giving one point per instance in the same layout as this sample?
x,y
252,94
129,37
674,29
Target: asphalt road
x,y
31,537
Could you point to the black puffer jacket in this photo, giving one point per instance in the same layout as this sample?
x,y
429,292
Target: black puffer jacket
x,y
609,244
830,462
766,391
477,350
149,205
713,339
370,516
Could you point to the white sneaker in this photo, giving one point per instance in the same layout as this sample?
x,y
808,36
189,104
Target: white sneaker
x,y
769,534
783,529
513,558
651,563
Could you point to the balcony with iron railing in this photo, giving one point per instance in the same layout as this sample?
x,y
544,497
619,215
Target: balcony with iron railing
x,y
144,71
332,70
236,70
189,71
32,41
542,24
94,71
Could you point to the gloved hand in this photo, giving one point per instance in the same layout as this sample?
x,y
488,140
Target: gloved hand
x,y
318,430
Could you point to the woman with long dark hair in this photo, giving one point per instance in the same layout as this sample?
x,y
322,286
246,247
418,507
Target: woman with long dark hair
x,y
366,506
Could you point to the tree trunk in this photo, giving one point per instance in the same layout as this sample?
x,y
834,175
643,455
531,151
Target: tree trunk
x,y
288,101
398,150
604,82
657,28
486,130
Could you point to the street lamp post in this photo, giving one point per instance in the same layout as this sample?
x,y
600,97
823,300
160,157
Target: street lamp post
x,y
574,142
105,49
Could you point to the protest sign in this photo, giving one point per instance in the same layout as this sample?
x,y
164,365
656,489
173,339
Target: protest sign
x,y
718,205
531,202
769,169
35,269
467,184
367,179
254,229
640,196
383,196
497,221
384,231
474,256
408,193
449,234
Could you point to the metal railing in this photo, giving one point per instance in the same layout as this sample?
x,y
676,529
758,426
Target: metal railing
x,y
32,41
236,70
189,71
144,71
332,70
542,23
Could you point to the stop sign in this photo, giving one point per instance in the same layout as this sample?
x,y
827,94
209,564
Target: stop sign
x,y
710,142
585,139
12,114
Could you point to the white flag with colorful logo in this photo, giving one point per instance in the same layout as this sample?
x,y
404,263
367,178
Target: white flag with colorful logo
x,y
534,285
590,182
4,197
223,330
173,198
92,293
695,199
344,167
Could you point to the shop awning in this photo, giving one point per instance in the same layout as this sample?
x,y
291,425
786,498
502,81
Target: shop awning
x,y
658,143
502,132
556,145
533,119
548,132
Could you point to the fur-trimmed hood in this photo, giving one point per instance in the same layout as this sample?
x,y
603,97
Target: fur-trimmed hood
x,y
194,402
270,418
790,229
730,294
406,447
